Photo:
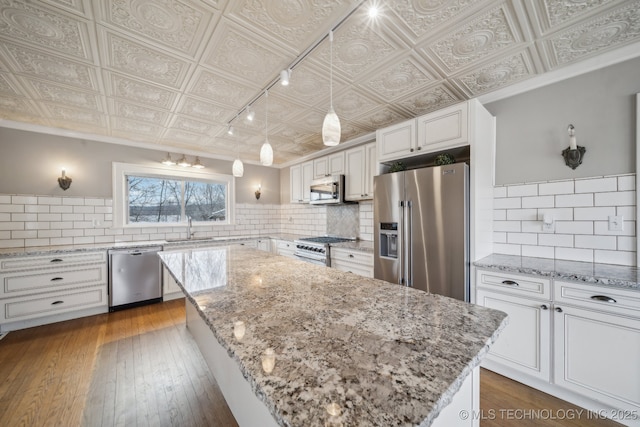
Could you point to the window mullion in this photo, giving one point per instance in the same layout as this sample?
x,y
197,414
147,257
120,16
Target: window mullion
x,y
183,208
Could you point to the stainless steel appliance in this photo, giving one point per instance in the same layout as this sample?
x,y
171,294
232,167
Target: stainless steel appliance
x,y
421,236
316,250
134,277
327,191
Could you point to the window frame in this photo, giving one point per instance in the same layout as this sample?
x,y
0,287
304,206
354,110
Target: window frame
x,y
120,171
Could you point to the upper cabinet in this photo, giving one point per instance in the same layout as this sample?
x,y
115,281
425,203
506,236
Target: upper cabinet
x,y
440,130
332,164
397,141
300,182
360,169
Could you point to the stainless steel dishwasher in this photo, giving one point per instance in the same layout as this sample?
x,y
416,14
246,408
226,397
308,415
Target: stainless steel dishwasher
x,y
135,277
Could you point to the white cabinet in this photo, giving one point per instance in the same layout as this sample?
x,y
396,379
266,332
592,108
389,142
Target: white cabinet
x,y
300,182
524,345
264,244
443,129
35,290
359,172
440,130
397,141
170,288
332,164
285,248
352,261
597,343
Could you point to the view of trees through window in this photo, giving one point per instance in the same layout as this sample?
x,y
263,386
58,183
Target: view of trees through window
x,y
165,200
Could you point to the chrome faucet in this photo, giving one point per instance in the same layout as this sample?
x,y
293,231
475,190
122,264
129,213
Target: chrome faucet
x,y
189,225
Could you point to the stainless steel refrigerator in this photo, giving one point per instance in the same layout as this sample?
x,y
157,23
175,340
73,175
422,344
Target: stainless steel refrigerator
x,y
421,229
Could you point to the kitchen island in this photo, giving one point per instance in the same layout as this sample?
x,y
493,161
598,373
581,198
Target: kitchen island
x,y
316,346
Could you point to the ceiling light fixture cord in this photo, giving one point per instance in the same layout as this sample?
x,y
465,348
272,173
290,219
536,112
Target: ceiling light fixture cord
x,y
331,125
266,152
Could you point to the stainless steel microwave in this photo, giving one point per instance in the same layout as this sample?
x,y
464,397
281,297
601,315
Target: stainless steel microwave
x,y
327,190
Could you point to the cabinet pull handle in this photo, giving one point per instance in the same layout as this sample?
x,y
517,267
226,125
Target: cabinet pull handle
x,y
350,255
55,279
419,148
411,150
544,307
56,260
558,309
510,283
57,302
603,298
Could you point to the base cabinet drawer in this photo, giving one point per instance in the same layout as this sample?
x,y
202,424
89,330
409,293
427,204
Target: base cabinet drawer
x,y
21,283
516,284
55,260
359,269
21,308
352,256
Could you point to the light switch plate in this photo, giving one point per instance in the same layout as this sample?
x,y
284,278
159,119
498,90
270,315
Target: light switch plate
x,y
616,223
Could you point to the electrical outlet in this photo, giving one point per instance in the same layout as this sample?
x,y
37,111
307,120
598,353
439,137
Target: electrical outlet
x,y
616,223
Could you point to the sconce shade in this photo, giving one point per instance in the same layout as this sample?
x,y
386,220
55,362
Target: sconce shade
x,y
183,162
168,161
266,153
237,168
197,164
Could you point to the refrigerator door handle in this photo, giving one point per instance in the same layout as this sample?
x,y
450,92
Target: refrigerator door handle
x,y
408,235
401,257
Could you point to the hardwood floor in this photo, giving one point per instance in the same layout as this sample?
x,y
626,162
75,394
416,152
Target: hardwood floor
x,y
140,367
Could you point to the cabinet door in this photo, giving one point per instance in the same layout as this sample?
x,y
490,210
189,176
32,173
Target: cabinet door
x,y
443,129
335,164
170,289
295,184
397,141
320,167
264,245
307,176
597,354
524,344
355,160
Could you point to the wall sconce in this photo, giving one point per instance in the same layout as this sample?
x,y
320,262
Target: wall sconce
x,y
574,153
64,181
258,192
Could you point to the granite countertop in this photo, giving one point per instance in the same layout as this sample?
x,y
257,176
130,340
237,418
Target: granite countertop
x,y
356,245
387,355
587,272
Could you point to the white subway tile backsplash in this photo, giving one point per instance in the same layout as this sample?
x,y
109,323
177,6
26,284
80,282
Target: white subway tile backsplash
x,y
46,200
499,237
574,254
499,192
501,248
11,208
36,208
24,234
60,209
12,226
593,214
49,233
562,240
531,227
628,212
73,201
595,242
552,188
538,202
61,241
538,251
602,227
521,214
574,227
615,257
558,214
522,238
508,203
596,185
24,217
522,190
24,200
626,243
49,217
574,200
36,242
5,199
619,198
506,225
83,209
626,183
500,215
5,216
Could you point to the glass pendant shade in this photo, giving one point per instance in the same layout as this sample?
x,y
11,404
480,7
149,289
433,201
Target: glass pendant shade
x,y
266,154
331,129
237,168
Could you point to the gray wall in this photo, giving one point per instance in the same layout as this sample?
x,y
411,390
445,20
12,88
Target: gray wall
x,y
30,163
532,127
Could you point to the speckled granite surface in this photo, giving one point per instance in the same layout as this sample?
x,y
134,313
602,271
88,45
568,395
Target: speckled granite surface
x,y
387,355
588,272
357,245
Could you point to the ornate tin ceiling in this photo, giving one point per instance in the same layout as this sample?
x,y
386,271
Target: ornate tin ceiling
x,y
173,73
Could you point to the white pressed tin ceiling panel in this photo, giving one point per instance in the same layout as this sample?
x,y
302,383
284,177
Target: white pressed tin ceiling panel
x,y
176,72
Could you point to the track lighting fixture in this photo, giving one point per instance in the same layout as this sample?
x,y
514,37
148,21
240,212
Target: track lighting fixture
x,y
285,75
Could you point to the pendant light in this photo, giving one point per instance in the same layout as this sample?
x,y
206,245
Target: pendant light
x,y
237,168
331,124
266,152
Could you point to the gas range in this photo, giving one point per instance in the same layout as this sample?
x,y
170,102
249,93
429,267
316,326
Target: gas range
x,y
316,249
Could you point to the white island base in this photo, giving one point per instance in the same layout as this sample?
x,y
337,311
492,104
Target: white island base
x,y
250,411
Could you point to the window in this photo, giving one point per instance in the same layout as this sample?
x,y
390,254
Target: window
x,y
159,196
